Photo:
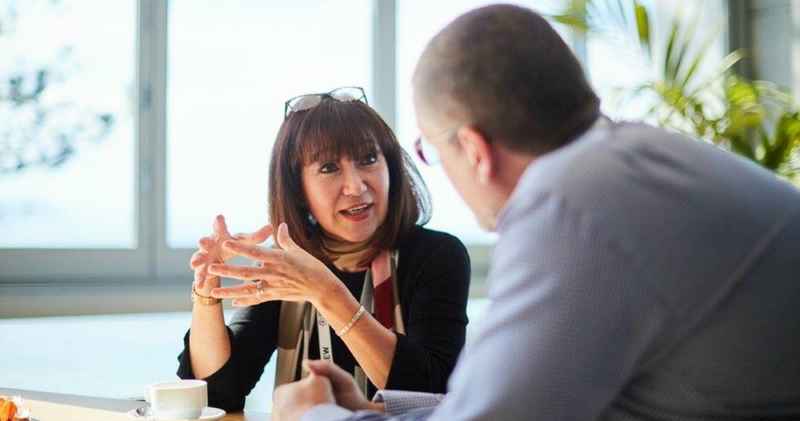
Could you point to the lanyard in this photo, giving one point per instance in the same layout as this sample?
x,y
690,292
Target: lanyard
x,y
324,334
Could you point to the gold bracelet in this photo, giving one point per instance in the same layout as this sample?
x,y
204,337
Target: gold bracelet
x,y
353,321
202,299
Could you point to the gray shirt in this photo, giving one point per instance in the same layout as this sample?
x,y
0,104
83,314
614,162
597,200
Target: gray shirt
x,y
638,275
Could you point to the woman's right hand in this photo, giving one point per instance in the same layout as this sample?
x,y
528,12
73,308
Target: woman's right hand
x,y
211,251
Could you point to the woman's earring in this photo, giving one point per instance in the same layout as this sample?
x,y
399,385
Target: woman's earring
x,y
311,219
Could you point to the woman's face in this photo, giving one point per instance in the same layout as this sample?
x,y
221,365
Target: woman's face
x,y
348,197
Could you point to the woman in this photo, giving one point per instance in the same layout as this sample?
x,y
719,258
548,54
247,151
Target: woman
x,y
353,277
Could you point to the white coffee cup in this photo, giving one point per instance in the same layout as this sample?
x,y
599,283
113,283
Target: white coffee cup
x,y
177,400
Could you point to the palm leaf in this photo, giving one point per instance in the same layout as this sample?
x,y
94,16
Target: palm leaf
x,y
575,16
683,45
699,56
642,26
724,69
787,135
673,36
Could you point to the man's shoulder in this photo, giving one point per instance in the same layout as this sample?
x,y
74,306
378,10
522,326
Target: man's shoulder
x,y
605,154
616,167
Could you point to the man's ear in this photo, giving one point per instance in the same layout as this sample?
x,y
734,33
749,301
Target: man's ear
x,y
478,152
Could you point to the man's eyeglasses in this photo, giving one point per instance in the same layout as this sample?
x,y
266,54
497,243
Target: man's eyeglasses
x,y
308,101
427,153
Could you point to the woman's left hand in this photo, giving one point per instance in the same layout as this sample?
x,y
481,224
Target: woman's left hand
x,y
288,274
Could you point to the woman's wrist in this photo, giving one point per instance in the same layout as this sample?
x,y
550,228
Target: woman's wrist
x,y
202,299
337,306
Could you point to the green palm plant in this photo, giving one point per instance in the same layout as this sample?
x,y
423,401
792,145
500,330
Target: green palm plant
x,y
754,119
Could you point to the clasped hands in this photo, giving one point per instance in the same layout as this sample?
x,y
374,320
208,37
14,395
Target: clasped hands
x,y
326,383
286,273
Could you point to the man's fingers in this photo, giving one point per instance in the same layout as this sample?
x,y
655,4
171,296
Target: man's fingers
x,y
326,368
338,377
320,367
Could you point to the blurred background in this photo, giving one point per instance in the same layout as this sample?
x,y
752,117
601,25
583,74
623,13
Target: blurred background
x,y
127,125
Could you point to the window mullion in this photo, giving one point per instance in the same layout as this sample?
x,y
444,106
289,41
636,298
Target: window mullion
x,y
384,69
152,128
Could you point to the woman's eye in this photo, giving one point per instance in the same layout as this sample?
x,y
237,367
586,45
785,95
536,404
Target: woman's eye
x,y
369,159
328,167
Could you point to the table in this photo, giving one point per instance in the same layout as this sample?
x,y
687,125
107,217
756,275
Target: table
x,y
46,406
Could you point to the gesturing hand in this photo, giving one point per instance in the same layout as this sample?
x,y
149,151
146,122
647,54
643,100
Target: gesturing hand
x,y
211,251
289,273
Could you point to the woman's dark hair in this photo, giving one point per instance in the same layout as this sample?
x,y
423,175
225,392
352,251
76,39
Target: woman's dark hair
x,y
329,131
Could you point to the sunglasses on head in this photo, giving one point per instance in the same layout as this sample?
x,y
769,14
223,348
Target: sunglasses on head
x,y
309,101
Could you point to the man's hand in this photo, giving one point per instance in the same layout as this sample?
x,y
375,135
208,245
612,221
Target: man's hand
x,y
291,401
344,387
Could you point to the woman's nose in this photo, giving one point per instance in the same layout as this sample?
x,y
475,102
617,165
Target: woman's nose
x,y
353,183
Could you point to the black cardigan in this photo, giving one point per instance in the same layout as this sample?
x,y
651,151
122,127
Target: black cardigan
x,y
433,285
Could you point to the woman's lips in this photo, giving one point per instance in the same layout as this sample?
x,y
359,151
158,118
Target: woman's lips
x,y
360,215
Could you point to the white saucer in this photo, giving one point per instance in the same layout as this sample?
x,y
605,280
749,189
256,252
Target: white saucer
x,y
209,414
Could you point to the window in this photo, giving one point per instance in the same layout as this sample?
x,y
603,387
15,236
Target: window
x,y
84,51
230,70
68,158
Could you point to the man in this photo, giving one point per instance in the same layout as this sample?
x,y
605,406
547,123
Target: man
x,y
638,275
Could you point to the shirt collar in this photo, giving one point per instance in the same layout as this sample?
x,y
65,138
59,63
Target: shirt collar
x,y
600,123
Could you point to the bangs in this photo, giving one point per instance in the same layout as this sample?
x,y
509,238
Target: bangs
x,y
333,130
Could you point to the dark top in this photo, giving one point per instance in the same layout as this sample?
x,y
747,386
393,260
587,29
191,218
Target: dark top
x,y
433,283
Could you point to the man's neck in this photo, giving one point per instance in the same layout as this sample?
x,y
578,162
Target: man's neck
x,y
509,172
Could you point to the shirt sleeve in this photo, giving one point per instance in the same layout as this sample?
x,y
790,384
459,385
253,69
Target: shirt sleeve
x,y
401,401
569,320
436,321
253,333
331,412
327,412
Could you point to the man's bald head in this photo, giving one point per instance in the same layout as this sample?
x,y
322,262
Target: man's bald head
x,y
505,70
